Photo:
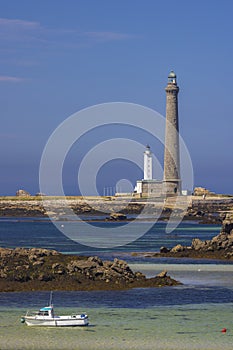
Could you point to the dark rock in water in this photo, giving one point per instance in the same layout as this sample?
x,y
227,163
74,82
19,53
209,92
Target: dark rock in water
x,y
42,269
164,250
227,226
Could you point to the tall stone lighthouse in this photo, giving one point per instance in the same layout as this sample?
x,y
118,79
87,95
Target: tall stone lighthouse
x,y
171,179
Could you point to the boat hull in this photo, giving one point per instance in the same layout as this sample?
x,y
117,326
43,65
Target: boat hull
x,y
62,321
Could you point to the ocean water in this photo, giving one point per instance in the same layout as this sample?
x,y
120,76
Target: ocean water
x,y
190,316
191,326
28,232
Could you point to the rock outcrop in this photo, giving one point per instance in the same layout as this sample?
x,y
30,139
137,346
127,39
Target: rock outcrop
x,y
219,247
22,193
43,269
200,191
117,217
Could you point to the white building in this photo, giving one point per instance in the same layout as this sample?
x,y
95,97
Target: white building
x,y
147,164
148,186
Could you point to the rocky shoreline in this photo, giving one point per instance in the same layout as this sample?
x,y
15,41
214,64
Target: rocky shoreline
x,y
42,269
209,211
34,269
219,247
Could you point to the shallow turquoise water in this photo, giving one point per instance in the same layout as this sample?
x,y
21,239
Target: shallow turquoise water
x,y
179,327
186,317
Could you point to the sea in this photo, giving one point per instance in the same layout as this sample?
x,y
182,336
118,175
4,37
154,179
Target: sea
x,y
194,315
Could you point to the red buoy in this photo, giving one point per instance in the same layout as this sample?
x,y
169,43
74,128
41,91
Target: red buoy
x,y
224,330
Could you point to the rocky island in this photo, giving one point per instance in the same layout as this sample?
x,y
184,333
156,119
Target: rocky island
x,y
42,269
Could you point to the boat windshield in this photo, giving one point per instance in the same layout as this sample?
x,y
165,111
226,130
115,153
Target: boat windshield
x,y
43,313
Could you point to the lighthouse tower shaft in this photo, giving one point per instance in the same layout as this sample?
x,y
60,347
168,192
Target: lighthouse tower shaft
x,y
147,164
171,180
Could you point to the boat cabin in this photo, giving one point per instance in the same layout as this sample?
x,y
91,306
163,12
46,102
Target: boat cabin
x,y
46,311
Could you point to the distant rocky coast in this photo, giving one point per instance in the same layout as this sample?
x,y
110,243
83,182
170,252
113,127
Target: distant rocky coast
x,y
209,210
42,269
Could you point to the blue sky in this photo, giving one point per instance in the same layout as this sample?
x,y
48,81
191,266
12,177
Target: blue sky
x,y
58,57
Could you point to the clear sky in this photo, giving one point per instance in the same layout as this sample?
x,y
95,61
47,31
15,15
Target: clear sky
x,y
58,57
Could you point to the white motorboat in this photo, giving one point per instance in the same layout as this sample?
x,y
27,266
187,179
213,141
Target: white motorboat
x,y
46,317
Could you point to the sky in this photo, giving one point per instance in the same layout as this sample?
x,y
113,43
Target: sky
x,y
59,57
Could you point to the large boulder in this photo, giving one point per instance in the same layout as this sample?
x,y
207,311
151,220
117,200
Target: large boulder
x,y
200,191
198,244
162,274
227,225
22,193
177,248
117,216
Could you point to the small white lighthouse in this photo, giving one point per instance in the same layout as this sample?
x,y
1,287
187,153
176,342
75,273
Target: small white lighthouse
x,y
148,186
147,164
